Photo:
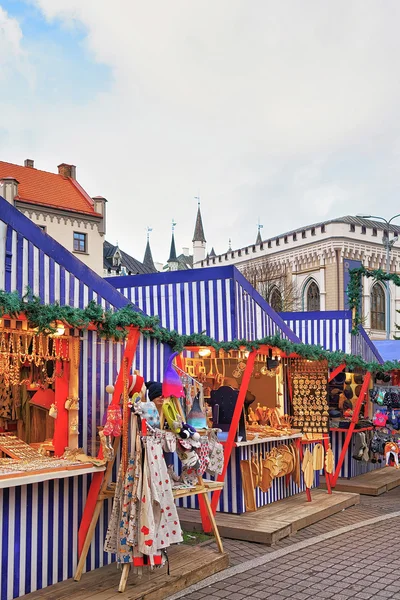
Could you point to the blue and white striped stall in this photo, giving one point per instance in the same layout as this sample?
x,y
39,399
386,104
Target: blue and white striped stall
x,y
332,331
218,301
222,303
39,521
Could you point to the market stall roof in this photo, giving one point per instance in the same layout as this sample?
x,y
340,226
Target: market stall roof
x,y
388,349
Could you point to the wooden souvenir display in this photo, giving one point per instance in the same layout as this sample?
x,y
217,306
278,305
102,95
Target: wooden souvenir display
x,y
309,395
15,448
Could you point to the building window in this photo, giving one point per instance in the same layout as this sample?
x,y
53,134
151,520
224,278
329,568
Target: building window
x,y
352,227
313,297
246,250
285,239
322,228
303,234
277,242
275,300
374,231
80,242
312,230
270,244
261,246
378,307
239,253
363,229
254,248
295,237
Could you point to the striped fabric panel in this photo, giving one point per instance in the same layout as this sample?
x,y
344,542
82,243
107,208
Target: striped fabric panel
x,y
330,333
41,520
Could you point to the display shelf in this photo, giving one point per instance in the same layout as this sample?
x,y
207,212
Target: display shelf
x,y
279,438
208,486
17,479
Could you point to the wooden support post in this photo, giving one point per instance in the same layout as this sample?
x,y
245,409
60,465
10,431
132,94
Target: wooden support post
x,y
129,353
61,428
124,577
233,430
350,431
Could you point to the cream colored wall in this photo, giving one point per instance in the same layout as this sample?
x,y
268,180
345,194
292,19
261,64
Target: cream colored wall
x,y
62,230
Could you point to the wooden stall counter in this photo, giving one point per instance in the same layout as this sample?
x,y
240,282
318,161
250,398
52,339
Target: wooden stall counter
x,y
263,440
20,478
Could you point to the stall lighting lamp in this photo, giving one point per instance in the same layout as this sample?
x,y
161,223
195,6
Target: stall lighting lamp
x,y
204,352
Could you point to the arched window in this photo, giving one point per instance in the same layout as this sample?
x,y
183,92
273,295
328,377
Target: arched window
x,y
275,300
313,298
378,315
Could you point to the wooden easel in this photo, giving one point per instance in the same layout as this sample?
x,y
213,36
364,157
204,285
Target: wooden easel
x,y
104,489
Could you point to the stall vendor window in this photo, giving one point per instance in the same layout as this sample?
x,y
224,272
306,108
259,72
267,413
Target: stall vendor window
x,y
378,307
313,297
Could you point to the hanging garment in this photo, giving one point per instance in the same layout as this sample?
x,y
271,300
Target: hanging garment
x,y
113,542
216,455
159,525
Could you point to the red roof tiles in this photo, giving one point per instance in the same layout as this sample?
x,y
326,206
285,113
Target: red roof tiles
x,y
48,189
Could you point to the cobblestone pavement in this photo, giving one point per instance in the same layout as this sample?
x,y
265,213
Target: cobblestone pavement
x,y
357,564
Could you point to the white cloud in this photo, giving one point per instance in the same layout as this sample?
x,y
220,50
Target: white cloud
x,y
282,110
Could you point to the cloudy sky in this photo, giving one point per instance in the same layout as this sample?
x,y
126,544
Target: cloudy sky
x,y
281,110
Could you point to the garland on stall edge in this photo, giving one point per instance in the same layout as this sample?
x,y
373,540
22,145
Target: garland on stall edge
x,y
113,325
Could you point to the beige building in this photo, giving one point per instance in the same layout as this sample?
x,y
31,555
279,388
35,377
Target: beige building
x,y
307,269
60,206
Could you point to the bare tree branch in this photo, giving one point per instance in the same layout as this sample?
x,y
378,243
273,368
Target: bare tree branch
x,y
274,282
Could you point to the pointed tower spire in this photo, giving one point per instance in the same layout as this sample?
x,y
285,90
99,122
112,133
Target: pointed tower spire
x,y
173,261
198,235
259,226
199,239
212,253
148,257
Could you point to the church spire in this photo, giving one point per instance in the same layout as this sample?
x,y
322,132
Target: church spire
x,y
259,239
172,253
199,239
198,235
148,257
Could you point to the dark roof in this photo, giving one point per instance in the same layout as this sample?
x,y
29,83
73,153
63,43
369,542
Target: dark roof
x,y
148,259
172,252
132,266
198,235
259,239
184,262
212,253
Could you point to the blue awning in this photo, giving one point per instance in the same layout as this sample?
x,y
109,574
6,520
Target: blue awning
x,y
388,349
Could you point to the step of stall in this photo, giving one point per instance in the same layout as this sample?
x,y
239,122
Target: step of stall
x,y
374,483
188,565
270,524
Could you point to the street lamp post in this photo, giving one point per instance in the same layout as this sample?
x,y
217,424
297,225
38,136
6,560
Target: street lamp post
x,y
388,245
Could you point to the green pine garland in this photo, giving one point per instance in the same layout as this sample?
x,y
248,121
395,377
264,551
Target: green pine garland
x,y
113,324
354,289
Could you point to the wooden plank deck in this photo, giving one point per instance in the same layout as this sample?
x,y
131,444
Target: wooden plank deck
x,y
271,523
188,565
374,483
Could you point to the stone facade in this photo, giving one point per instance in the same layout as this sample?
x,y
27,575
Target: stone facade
x,y
319,256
